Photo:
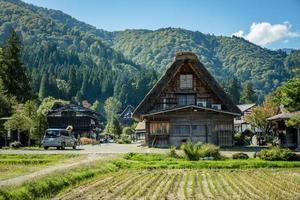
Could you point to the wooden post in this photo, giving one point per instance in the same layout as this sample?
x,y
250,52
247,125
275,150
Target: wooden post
x,y
206,134
298,137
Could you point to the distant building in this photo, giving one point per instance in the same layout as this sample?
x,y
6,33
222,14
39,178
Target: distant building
x,y
83,120
288,136
240,125
126,116
140,131
187,104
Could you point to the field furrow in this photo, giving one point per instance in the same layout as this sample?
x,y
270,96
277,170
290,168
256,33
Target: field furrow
x,y
190,184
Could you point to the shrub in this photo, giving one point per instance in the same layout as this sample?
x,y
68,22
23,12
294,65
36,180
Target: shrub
x,y
197,151
172,152
240,156
277,154
124,139
15,145
210,150
191,151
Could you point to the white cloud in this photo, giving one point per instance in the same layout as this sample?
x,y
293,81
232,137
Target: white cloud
x,y
265,33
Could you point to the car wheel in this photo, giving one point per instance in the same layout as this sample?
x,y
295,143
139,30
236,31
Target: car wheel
x,y
57,148
63,146
46,148
74,146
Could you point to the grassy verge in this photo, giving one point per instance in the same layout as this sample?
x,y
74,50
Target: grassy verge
x,y
15,165
50,185
160,161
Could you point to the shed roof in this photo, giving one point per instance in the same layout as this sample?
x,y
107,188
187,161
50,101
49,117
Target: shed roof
x,y
245,107
282,116
141,126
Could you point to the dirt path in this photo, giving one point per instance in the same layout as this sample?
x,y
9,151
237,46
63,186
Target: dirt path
x,y
65,165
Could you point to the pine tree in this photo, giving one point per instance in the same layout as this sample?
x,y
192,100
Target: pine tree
x,y
44,86
233,90
72,83
83,89
248,94
14,76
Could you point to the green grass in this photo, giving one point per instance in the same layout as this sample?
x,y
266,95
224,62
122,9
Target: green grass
x,y
48,186
158,161
12,165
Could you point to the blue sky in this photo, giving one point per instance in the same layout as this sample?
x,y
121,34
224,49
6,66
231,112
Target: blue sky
x,y
269,23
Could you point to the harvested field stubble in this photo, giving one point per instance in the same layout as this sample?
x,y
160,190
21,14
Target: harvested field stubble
x,y
192,184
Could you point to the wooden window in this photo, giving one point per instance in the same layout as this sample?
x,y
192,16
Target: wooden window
x,y
183,100
181,130
198,130
157,128
186,81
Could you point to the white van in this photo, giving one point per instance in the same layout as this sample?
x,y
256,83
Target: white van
x,y
59,138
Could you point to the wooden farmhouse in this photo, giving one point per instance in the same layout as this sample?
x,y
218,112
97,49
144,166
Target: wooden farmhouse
x,y
240,124
187,104
82,119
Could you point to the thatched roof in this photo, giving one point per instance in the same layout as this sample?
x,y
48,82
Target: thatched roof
x,y
193,61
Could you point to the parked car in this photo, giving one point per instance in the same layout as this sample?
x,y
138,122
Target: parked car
x,y
59,138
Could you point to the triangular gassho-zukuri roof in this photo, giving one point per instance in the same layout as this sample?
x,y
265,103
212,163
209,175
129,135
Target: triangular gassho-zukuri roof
x,y
193,61
128,108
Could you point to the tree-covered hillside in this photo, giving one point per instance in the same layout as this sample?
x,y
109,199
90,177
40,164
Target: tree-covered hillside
x,y
68,58
67,62
225,57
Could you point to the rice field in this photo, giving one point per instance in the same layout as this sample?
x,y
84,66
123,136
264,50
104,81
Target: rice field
x,y
191,184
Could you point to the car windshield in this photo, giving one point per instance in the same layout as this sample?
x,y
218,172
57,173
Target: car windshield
x,y
52,133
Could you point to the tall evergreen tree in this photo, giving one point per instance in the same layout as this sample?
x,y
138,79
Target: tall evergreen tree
x,y
72,83
233,90
44,86
14,75
248,94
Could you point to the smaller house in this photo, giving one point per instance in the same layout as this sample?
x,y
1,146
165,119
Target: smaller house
x,y
126,116
83,120
240,125
140,131
289,136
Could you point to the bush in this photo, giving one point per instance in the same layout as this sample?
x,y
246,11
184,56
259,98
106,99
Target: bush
x,y
240,156
191,151
124,139
172,152
210,150
197,151
16,145
277,154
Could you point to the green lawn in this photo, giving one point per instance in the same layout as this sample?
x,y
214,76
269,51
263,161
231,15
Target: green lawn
x,y
16,165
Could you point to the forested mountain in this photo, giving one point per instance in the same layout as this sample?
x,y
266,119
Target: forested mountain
x,y
67,62
225,57
68,58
